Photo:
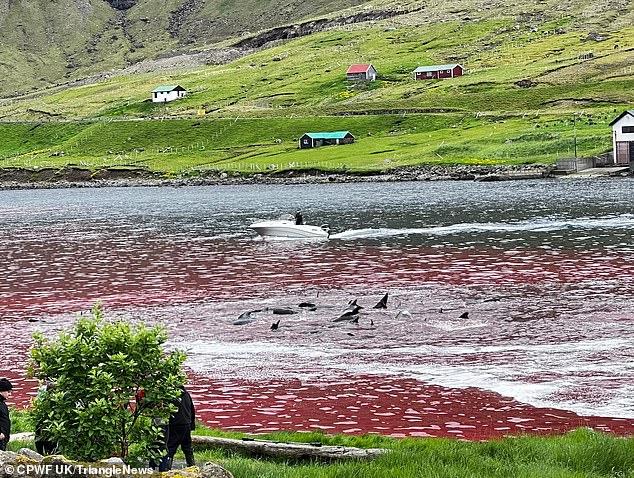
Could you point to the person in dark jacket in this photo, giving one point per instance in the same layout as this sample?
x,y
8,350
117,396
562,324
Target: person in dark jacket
x,y
180,427
5,420
299,220
43,444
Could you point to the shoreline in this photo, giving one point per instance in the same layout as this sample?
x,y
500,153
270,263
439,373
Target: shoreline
x,y
69,177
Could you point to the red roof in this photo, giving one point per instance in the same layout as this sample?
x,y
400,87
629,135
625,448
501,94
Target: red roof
x,y
359,68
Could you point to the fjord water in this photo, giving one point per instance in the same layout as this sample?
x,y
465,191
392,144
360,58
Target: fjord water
x,y
544,269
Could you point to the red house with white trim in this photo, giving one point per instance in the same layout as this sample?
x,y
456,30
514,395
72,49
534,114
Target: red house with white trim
x,y
435,72
361,72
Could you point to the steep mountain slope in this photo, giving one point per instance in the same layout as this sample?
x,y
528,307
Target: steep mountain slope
x,y
46,42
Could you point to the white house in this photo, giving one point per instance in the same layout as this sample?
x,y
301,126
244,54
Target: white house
x,y
623,138
163,94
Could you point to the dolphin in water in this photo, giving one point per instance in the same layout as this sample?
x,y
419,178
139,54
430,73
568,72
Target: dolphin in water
x,y
275,325
382,304
246,317
464,315
283,311
403,314
349,314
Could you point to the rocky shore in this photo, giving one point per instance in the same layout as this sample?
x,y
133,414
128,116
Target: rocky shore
x,y
27,463
69,177
14,178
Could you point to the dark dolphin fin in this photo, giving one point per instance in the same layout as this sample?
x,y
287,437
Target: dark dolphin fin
x,y
275,325
464,315
382,304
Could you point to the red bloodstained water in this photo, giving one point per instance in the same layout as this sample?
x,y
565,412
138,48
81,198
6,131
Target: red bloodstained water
x,y
525,300
361,405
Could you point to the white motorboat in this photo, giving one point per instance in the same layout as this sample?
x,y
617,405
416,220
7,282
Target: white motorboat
x,y
285,227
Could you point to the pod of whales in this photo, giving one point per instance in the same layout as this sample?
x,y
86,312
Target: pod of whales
x,y
350,313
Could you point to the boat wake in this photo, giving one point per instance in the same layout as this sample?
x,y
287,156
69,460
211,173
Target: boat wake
x,y
624,221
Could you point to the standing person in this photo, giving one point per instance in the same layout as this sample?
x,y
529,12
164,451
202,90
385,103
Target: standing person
x,y
299,220
160,444
181,424
5,420
43,444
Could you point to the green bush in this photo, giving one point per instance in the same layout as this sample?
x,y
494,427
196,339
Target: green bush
x,y
112,384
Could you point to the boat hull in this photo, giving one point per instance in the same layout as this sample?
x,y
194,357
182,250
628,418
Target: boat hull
x,y
289,230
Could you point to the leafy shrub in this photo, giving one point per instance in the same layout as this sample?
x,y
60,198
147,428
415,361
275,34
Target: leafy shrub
x,y
112,384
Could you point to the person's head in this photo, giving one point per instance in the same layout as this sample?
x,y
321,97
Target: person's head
x,y
5,388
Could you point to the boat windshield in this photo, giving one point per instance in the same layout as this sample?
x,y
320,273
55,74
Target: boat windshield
x,y
286,217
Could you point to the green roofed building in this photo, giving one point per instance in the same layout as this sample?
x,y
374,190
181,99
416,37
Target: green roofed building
x,y
163,94
314,140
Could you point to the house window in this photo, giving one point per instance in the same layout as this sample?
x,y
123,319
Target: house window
x,y
627,129
448,71
305,141
429,74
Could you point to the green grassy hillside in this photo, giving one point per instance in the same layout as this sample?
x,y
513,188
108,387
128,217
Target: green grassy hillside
x,y
260,145
542,78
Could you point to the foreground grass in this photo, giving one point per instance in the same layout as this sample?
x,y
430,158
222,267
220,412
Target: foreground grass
x,y
582,453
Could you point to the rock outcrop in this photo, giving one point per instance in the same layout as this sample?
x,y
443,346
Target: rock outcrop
x,y
121,4
313,26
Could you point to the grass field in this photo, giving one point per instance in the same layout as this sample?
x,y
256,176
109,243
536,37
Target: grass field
x,y
579,454
257,145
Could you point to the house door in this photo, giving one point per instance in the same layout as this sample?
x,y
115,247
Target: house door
x,y
624,151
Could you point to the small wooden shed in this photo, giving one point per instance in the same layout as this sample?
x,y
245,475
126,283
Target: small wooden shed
x,y
314,140
435,72
623,138
163,94
361,72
